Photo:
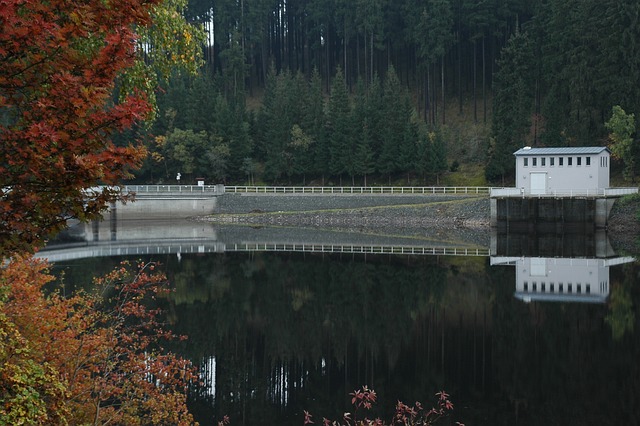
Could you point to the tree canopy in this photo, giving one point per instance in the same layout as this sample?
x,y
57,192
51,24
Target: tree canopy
x,y
71,75
492,76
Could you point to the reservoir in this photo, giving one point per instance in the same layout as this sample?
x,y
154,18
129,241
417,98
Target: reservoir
x,y
282,320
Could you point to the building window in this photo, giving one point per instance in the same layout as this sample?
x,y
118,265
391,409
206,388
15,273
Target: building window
x,y
526,286
587,161
535,287
534,161
569,288
579,288
578,161
526,162
543,161
588,289
569,161
551,288
552,161
560,288
560,161
543,287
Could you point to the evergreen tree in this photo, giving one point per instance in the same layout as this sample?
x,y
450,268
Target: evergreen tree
x,y
374,111
364,163
513,103
395,119
407,154
339,126
313,125
276,121
232,127
437,158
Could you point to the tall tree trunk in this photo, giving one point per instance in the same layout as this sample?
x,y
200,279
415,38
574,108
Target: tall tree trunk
x,y
427,113
475,79
366,59
459,41
484,83
434,93
328,65
444,98
358,55
344,44
371,55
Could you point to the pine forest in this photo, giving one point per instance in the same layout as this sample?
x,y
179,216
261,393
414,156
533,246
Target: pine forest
x,y
379,92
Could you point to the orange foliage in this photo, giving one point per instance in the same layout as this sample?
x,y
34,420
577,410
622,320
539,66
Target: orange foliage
x,y
105,349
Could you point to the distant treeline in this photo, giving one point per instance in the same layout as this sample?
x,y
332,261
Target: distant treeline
x,y
350,89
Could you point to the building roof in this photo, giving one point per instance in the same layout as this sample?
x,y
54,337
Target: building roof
x,y
578,150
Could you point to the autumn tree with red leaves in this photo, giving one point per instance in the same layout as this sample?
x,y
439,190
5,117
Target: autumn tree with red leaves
x,y
71,74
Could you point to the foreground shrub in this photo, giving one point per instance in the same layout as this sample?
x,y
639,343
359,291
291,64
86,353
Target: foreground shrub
x,y
404,414
90,358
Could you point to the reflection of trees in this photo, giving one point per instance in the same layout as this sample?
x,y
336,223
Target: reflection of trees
x,y
326,325
621,316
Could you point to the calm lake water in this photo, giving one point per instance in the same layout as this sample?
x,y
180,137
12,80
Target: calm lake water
x,y
527,329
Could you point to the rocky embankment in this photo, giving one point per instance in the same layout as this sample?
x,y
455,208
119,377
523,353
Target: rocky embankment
x,y
624,226
460,218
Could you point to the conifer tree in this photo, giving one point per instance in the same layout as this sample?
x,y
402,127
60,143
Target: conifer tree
x,y
339,126
313,124
513,103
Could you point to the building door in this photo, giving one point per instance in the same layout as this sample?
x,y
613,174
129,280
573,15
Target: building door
x,y
538,183
538,267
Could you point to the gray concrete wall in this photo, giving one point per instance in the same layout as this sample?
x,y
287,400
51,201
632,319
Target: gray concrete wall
x,y
550,214
165,207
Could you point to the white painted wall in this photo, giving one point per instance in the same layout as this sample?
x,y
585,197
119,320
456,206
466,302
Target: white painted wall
x,y
565,173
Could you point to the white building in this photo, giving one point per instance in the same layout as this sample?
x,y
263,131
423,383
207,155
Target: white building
x,y
562,171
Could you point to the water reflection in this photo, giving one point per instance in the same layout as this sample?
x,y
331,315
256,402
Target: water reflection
x,y
158,237
546,278
276,333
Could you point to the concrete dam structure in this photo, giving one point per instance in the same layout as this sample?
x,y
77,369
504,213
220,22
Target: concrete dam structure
x,y
522,214
168,201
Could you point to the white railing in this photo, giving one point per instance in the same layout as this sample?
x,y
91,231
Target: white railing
x,y
506,192
406,190
614,192
590,193
174,189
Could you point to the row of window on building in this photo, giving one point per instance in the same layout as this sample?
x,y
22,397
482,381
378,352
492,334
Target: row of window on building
x,y
560,160
560,288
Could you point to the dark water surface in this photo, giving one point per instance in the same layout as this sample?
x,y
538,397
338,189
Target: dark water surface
x,y
279,332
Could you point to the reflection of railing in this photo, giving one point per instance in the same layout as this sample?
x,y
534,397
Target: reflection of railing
x,y
364,249
133,248
407,190
591,193
65,252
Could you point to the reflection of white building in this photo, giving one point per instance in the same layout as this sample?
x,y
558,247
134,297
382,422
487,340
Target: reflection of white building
x,y
550,279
